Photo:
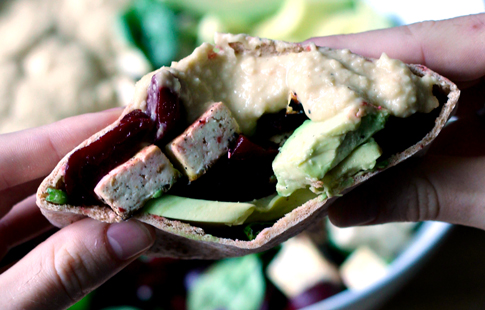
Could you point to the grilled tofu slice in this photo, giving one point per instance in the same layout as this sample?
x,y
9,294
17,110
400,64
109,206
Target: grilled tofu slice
x,y
204,142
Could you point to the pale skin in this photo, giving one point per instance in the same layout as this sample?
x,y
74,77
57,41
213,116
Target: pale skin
x,y
446,185
76,259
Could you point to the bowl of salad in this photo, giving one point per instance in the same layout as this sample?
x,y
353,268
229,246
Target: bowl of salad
x,y
323,268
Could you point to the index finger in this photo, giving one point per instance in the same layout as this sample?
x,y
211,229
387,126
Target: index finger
x,y
30,154
453,48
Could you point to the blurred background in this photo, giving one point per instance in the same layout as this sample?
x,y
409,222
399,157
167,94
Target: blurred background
x,y
67,57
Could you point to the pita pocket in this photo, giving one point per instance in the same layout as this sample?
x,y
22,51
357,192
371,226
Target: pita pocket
x,y
247,135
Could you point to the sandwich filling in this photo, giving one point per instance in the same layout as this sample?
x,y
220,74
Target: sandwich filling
x,y
233,134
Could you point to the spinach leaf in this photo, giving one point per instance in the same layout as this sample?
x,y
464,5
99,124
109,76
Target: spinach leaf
x,y
252,230
152,27
230,284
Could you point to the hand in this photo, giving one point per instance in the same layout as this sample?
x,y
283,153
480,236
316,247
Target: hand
x,y
448,184
76,259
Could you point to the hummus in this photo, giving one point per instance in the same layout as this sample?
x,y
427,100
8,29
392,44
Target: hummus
x,y
325,81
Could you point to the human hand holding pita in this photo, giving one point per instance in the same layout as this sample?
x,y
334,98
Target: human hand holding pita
x,y
444,185
76,259
448,183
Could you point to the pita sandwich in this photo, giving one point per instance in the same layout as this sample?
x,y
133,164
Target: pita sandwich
x,y
168,161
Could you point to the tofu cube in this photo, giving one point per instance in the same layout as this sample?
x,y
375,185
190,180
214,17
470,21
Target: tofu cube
x,y
204,142
127,187
298,266
362,269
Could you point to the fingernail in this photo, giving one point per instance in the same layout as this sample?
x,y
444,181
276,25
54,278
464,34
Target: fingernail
x,y
129,238
367,216
349,212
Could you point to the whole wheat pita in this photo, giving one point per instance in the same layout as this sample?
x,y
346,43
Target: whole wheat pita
x,y
183,240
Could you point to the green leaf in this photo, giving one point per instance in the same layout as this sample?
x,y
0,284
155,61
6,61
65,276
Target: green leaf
x,y
56,196
252,230
231,284
152,27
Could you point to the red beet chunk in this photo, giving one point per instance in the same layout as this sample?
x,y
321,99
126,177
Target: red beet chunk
x,y
163,107
315,294
87,165
244,149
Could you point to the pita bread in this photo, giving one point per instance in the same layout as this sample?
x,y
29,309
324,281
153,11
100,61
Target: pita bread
x,y
182,240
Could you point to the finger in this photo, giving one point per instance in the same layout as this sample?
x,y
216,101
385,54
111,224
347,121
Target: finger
x,y
22,223
441,188
71,263
11,196
464,137
32,153
472,100
451,47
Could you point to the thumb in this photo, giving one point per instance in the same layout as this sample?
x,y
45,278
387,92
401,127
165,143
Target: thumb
x,y
441,188
71,263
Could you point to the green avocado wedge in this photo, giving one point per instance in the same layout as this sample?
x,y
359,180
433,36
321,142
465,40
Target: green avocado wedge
x,y
226,213
363,158
274,207
199,211
317,147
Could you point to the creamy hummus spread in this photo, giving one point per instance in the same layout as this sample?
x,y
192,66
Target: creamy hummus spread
x,y
326,81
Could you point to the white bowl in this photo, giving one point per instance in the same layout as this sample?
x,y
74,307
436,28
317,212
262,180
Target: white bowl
x,y
406,265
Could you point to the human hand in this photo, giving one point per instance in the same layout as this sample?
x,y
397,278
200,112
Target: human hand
x,y
76,259
448,183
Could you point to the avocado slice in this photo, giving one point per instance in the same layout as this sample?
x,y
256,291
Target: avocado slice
x,y
198,210
275,206
361,159
317,147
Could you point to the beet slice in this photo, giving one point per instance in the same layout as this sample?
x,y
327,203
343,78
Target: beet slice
x,y
244,149
164,109
87,165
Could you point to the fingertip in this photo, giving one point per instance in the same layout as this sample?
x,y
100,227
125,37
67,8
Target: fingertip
x,y
354,209
336,215
332,41
130,238
115,109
